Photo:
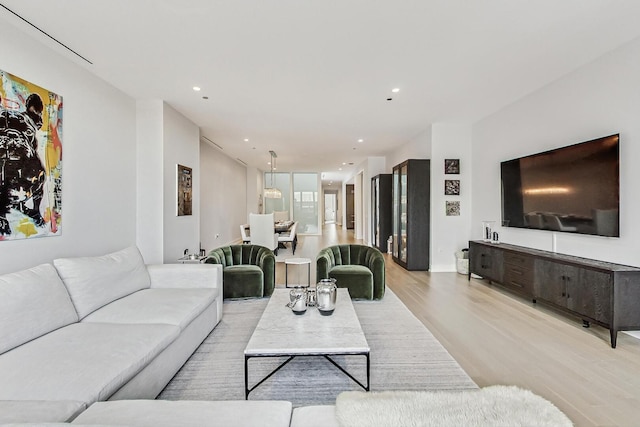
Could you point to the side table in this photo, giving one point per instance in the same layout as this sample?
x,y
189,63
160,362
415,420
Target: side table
x,y
191,259
299,262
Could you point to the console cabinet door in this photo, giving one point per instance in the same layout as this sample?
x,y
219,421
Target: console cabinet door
x,y
551,280
590,295
486,262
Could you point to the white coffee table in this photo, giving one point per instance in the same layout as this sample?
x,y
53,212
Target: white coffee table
x,y
280,332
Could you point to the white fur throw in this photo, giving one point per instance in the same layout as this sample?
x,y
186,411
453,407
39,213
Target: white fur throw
x,y
491,406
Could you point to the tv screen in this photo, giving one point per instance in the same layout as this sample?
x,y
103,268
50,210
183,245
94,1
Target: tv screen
x,y
572,189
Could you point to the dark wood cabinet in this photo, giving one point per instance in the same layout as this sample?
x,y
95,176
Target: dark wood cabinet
x,y
604,293
381,210
487,262
411,215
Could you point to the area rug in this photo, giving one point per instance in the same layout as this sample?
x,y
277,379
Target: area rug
x,y
404,356
490,406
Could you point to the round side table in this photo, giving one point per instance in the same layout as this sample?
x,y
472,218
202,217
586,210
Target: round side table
x,y
299,262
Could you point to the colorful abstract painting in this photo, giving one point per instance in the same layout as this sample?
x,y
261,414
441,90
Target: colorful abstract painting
x,y
30,160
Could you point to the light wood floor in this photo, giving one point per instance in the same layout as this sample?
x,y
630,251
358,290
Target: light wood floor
x,y
499,338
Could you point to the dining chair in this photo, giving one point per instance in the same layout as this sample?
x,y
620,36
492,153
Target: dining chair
x,y
262,229
280,216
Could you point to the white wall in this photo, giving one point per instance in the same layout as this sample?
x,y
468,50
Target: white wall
x,y
223,197
449,233
418,147
599,99
150,215
181,145
99,157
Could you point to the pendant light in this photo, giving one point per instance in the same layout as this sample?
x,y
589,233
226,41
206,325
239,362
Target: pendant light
x,y
272,192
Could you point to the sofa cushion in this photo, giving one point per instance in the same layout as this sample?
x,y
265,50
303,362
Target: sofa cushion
x,y
242,281
83,361
357,278
171,306
39,411
185,413
33,302
94,282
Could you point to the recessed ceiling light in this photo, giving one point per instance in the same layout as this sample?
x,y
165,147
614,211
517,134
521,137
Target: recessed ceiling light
x,y
339,169
361,140
395,90
344,163
246,140
196,88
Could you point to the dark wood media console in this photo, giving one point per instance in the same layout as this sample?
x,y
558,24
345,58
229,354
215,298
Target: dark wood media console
x,y
600,292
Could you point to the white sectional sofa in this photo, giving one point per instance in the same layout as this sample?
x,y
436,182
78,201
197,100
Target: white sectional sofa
x,y
98,328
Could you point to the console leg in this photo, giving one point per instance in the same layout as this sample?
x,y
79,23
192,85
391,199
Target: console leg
x,y
614,337
585,323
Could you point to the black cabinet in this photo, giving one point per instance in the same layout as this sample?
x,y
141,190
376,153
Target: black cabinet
x,y
411,215
381,210
605,293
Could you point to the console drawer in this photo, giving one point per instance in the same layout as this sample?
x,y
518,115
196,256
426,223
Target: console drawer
x,y
524,261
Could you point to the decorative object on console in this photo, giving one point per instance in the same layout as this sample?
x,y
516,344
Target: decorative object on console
x,y
452,187
451,166
272,192
185,190
487,230
453,208
31,149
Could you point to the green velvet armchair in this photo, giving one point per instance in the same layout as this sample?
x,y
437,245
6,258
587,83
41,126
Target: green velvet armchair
x,y
247,270
356,267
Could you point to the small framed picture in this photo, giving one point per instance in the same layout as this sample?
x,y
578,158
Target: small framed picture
x,y
451,166
452,187
453,208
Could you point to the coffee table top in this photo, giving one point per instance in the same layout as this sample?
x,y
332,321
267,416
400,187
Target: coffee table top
x,y
280,332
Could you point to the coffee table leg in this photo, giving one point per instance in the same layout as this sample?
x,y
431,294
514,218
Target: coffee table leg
x,y
246,378
368,372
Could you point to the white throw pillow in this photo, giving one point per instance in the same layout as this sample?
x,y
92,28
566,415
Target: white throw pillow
x,y
33,302
94,282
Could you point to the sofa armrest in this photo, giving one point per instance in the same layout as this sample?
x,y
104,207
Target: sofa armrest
x,y
376,265
324,263
185,275
267,263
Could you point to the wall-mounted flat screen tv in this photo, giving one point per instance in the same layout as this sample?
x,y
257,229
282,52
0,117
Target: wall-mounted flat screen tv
x,y
574,189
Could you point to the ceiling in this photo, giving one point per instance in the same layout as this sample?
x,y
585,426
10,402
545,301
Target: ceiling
x,y
308,79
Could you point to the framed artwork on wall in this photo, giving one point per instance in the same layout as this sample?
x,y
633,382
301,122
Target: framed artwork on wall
x,y
185,190
452,208
30,160
452,187
452,166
